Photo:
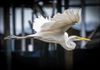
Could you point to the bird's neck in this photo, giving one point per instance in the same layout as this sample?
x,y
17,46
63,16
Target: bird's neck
x,y
68,43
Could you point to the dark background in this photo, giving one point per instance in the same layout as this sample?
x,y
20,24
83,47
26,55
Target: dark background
x,y
82,59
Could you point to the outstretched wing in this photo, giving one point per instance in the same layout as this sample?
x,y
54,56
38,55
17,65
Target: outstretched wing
x,y
65,20
59,22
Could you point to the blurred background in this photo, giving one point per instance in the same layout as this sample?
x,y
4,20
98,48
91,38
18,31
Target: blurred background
x,y
16,17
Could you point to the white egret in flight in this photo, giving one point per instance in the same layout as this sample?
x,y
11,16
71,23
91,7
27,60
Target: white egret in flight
x,y
54,29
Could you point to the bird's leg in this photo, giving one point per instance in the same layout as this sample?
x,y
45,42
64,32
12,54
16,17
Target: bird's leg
x,y
18,37
13,37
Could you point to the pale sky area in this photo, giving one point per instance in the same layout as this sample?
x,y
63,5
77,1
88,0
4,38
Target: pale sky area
x,y
27,17
92,18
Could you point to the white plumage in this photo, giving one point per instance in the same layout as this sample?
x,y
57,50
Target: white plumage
x,y
54,29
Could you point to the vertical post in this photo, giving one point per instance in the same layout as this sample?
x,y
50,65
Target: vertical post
x,y
66,4
23,32
52,47
59,5
83,25
32,39
7,32
54,7
68,60
68,54
12,24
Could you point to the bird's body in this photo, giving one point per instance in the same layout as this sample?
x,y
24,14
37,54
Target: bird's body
x,y
54,29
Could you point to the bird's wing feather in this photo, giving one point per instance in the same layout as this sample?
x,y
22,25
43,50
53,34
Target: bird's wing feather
x,y
39,22
66,19
59,21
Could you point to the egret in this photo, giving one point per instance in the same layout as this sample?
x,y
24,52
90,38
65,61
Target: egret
x,y
54,29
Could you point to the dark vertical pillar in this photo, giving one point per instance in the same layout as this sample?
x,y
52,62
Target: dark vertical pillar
x,y
7,32
54,7
68,60
14,20
59,5
32,39
83,24
13,28
23,47
66,4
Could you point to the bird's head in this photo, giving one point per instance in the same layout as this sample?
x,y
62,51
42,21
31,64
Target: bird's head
x,y
70,44
77,38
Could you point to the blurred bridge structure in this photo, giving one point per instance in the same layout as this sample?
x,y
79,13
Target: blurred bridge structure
x,y
16,17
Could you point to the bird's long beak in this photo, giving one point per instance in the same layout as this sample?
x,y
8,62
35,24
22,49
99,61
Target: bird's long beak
x,y
82,39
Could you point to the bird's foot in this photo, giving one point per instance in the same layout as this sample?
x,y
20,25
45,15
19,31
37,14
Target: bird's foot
x,y
10,37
